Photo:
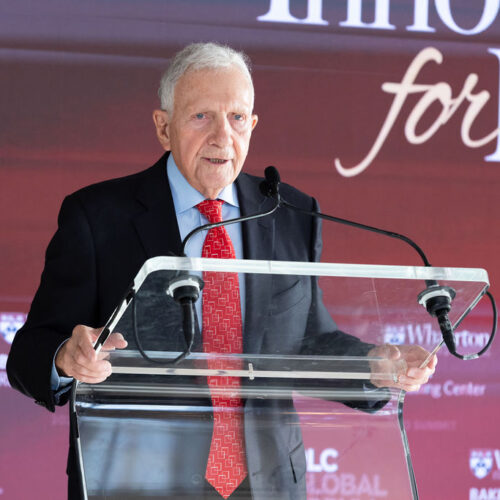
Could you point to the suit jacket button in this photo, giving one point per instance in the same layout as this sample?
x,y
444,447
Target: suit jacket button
x,y
41,403
196,479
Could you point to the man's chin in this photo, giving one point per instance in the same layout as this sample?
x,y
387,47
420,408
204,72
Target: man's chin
x,y
211,185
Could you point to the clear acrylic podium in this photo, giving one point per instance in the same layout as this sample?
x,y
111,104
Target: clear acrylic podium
x,y
315,425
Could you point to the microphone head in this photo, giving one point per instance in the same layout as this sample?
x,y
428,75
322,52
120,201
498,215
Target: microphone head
x,y
264,189
270,186
272,175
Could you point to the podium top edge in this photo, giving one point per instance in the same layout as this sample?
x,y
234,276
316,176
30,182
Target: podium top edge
x,y
344,270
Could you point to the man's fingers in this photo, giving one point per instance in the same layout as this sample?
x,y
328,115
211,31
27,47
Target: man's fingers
x,y
417,376
84,336
433,362
81,366
78,359
91,379
418,373
403,361
97,370
409,384
86,348
94,334
414,353
385,351
414,379
392,352
115,341
410,387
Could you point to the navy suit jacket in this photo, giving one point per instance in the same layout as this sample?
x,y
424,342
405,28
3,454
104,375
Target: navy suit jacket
x,y
105,233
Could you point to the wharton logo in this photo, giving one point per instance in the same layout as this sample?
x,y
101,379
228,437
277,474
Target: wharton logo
x,y
481,462
10,323
395,336
428,335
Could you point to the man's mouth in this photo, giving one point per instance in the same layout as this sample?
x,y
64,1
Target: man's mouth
x,y
217,161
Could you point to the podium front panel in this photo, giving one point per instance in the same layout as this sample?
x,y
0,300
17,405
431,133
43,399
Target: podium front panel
x,y
314,397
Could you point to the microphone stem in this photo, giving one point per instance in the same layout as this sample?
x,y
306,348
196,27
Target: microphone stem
x,y
188,322
226,223
361,226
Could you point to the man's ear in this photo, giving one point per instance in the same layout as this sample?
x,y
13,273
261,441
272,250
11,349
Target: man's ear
x,y
255,119
161,121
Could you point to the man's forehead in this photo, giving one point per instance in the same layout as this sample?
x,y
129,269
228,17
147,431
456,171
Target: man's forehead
x,y
206,104
214,87
216,73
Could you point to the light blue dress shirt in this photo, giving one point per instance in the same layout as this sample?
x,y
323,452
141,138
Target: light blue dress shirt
x,y
185,198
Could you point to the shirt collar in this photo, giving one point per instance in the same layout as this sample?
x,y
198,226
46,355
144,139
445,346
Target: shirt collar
x,y
186,196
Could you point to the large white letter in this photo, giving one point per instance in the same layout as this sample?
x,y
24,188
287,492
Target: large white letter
x,y
323,458
496,155
490,12
311,466
421,17
400,90
477,102
354,8
279,12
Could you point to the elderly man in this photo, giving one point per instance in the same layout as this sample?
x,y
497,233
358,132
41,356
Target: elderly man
x,y
106,232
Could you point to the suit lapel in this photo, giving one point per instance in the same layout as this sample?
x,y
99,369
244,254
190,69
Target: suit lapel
x,y
156,224
258,244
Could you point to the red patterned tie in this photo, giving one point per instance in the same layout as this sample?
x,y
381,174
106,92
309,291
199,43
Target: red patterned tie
x,y
226,467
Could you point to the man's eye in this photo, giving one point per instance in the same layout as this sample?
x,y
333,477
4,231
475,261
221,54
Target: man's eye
x,y
199,116
239,117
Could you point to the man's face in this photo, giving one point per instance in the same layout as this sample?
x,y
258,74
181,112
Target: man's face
x,y
210,127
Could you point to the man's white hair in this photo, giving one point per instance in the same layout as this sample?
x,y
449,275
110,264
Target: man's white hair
x,y
198,56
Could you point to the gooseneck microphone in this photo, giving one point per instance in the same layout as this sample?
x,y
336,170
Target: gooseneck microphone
x,y
435,298
270,187
244,218
185,290
185,287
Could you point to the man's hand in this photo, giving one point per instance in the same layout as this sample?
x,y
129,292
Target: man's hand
x,y
400,366
77,358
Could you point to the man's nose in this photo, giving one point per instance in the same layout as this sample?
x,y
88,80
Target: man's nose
x,y
221,133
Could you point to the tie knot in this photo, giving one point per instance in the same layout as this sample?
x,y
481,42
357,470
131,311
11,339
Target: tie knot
x,y
211,209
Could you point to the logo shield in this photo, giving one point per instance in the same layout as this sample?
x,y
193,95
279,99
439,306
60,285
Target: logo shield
x,y
481,462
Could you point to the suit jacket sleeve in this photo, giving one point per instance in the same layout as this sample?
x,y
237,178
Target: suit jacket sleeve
x,y
66,297
324,337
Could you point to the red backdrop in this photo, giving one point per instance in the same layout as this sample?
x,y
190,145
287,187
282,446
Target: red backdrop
x,y
78,85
